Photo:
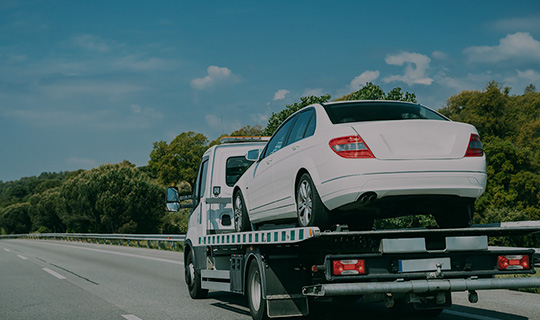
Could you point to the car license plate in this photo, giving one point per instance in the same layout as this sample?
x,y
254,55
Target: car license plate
x,y
416,265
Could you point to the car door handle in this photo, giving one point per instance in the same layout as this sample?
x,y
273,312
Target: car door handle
x,y
268,161
295,147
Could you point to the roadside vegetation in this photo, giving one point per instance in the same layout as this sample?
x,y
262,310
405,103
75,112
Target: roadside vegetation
x,y
120,198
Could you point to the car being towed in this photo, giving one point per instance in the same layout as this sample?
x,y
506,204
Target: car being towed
x,y
352,162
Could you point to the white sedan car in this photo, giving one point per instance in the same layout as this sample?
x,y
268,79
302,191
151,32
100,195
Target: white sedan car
x,y
356,161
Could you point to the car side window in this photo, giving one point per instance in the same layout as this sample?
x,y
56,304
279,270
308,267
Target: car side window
x,y
279,138
301,125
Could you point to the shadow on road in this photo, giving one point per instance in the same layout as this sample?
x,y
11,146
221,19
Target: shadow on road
x,y
322,310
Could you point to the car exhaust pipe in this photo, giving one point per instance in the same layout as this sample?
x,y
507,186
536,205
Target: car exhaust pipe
x,y
367,198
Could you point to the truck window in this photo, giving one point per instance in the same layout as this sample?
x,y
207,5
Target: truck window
x,y
235,168
201,181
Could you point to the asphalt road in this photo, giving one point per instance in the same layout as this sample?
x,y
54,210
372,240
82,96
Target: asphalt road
x,y
65,280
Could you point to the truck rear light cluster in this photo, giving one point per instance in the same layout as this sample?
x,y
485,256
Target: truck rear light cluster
x,y
348,267
352,147
475,148
514,262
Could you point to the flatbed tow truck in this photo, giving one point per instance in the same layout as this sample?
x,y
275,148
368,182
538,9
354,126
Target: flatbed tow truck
x,y
282,270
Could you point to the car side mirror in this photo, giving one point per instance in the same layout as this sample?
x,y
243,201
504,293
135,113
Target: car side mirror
x,y
253,155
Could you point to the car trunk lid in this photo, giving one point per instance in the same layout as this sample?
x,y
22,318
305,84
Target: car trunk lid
x,y
415,139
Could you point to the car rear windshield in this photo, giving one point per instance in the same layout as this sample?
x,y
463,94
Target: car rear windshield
x,y
378,111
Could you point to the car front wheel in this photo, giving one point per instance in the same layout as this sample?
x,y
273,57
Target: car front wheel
x,y
310,209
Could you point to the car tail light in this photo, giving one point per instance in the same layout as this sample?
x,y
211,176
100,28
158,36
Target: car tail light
x,y
348,267
475,148
514,262
351,147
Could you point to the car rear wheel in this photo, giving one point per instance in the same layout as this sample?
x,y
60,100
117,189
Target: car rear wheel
x,y
310,209
456,216
241,218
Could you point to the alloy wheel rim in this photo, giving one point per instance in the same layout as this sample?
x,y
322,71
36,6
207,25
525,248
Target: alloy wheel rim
x,y
305,203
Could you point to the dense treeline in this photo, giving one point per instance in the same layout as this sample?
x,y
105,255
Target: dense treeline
x,y
124,199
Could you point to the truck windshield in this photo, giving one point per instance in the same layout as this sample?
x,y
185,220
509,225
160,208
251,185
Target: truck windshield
x,y
235,168
378,111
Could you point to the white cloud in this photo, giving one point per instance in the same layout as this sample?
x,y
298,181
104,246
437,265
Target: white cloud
x,y
439,55
517,24
313,92
367,76
280,94
530,75
520,46
90,42
416,65
215,75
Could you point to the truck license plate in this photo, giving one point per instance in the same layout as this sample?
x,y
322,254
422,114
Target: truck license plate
x,y
416,265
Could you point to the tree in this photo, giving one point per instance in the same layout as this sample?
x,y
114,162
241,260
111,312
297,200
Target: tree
x,y
112,198
277,118
509,127
45,211
15,219
180,159
373,92
248,131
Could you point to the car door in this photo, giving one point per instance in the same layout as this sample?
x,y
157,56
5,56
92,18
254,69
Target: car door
x,y
286,164
260,189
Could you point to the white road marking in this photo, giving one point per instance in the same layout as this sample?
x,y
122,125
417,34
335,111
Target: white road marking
x,y
131,317
7,250
59,276
22,257
118,253
468,315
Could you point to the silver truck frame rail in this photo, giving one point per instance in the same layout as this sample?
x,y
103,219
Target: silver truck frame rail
x,y
419,286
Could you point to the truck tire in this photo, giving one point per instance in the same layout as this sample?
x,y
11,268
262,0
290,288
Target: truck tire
x,y
310,209
193,279
241,218
257,304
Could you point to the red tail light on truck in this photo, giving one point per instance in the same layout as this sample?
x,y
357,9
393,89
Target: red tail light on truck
x,y
514,262
348,267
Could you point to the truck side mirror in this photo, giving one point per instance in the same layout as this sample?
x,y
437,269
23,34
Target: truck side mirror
x,y
173,199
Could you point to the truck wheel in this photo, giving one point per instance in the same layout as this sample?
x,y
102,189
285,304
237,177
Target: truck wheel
x,y
241,218
257,304
193,279
456,216
311,211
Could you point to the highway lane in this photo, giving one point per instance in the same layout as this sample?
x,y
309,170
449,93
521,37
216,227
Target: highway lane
x,y
66,280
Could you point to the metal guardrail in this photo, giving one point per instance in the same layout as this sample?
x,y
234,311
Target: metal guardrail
x,y
175,240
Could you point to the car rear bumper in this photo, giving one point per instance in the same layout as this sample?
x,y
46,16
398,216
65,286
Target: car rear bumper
x,y
348,189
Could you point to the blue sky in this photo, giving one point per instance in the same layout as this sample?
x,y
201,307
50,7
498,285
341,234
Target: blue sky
x,y
84,83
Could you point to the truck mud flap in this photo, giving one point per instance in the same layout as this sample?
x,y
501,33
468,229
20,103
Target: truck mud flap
x,y
419,286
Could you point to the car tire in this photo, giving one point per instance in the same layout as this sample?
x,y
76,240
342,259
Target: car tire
x,y
256,301
241,218
456,216
311,212
193,279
